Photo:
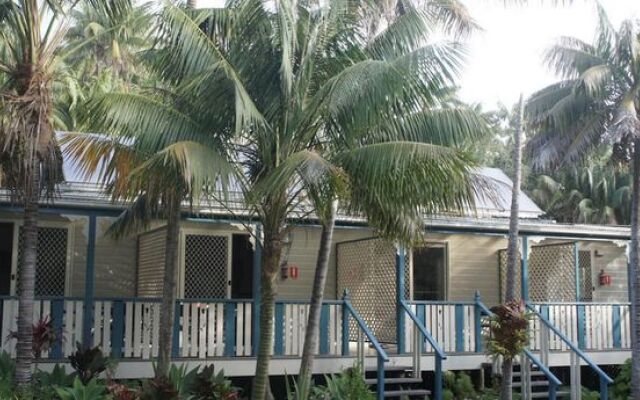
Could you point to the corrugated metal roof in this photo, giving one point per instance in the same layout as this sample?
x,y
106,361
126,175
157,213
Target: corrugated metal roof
x,y
491,213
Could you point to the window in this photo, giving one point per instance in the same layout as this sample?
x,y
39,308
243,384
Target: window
x,y
51,263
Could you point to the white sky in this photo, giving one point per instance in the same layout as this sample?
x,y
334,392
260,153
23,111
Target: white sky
x,y
505,58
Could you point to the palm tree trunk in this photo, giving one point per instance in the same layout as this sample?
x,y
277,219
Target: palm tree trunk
x,y
24,347
513,257
317,295
634,254
167,312
272,252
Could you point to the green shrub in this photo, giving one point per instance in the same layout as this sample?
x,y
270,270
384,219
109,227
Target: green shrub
x,y
159,388
45,383
622,383
211,386
92,390
347,385
88,363
182,379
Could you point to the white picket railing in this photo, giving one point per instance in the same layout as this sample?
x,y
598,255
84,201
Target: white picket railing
x,y
129,328
594,326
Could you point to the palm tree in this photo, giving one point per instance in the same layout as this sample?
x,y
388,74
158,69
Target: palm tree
x,y
156,165
590,194
31,35
595,102
513,255
318,82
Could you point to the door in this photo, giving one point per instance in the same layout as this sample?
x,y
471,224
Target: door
x,y
6,254
207,262
429,272
241,267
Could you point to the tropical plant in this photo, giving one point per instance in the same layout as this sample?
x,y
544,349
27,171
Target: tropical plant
x,y
347,385
458,386
88,363
508,330
594,104
379,100
91,390
154,153
592,194
44,336
211,386
158,388
33,73
29,160
621,389
182,378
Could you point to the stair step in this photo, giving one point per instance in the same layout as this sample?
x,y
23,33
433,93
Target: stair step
x,y
408,392
390,368
545,395
393,381
533,383
532,373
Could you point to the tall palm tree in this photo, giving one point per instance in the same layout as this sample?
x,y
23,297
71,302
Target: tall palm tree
x,y
513,255
596,102
31,36
318,82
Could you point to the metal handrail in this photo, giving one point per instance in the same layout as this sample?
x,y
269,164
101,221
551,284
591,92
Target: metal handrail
x,y
573,347
365,329
417,347
545,370
553,380
436,346
382,356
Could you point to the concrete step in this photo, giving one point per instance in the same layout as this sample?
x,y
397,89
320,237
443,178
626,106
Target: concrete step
x,y
390,368
406,393
393,381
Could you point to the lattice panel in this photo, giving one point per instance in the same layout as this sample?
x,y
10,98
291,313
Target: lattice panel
x,y
206,262
51,261
586,278
367,269
551,273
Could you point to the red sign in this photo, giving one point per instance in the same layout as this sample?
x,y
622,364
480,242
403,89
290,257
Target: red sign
x,y
604,279
293,272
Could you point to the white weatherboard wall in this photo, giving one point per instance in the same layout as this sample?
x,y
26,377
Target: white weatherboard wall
x,y
613,260
304,253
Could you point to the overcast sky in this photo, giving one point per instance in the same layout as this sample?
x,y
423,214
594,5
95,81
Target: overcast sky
x,y
505,58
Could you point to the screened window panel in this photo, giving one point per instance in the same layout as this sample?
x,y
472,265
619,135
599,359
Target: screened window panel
x,y
51,262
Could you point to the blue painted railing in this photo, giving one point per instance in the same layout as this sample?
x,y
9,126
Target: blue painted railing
x,y
554,382
605,380
128,328
417,349
381,355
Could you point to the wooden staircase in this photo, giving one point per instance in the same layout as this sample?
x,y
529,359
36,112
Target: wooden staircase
x,y
537,383
399,383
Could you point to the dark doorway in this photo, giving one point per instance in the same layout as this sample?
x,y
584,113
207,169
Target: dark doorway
x,y
6,248
241,267
429,272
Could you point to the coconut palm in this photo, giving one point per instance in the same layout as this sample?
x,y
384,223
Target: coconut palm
x,y
156,166
320,82
31,35
596,102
